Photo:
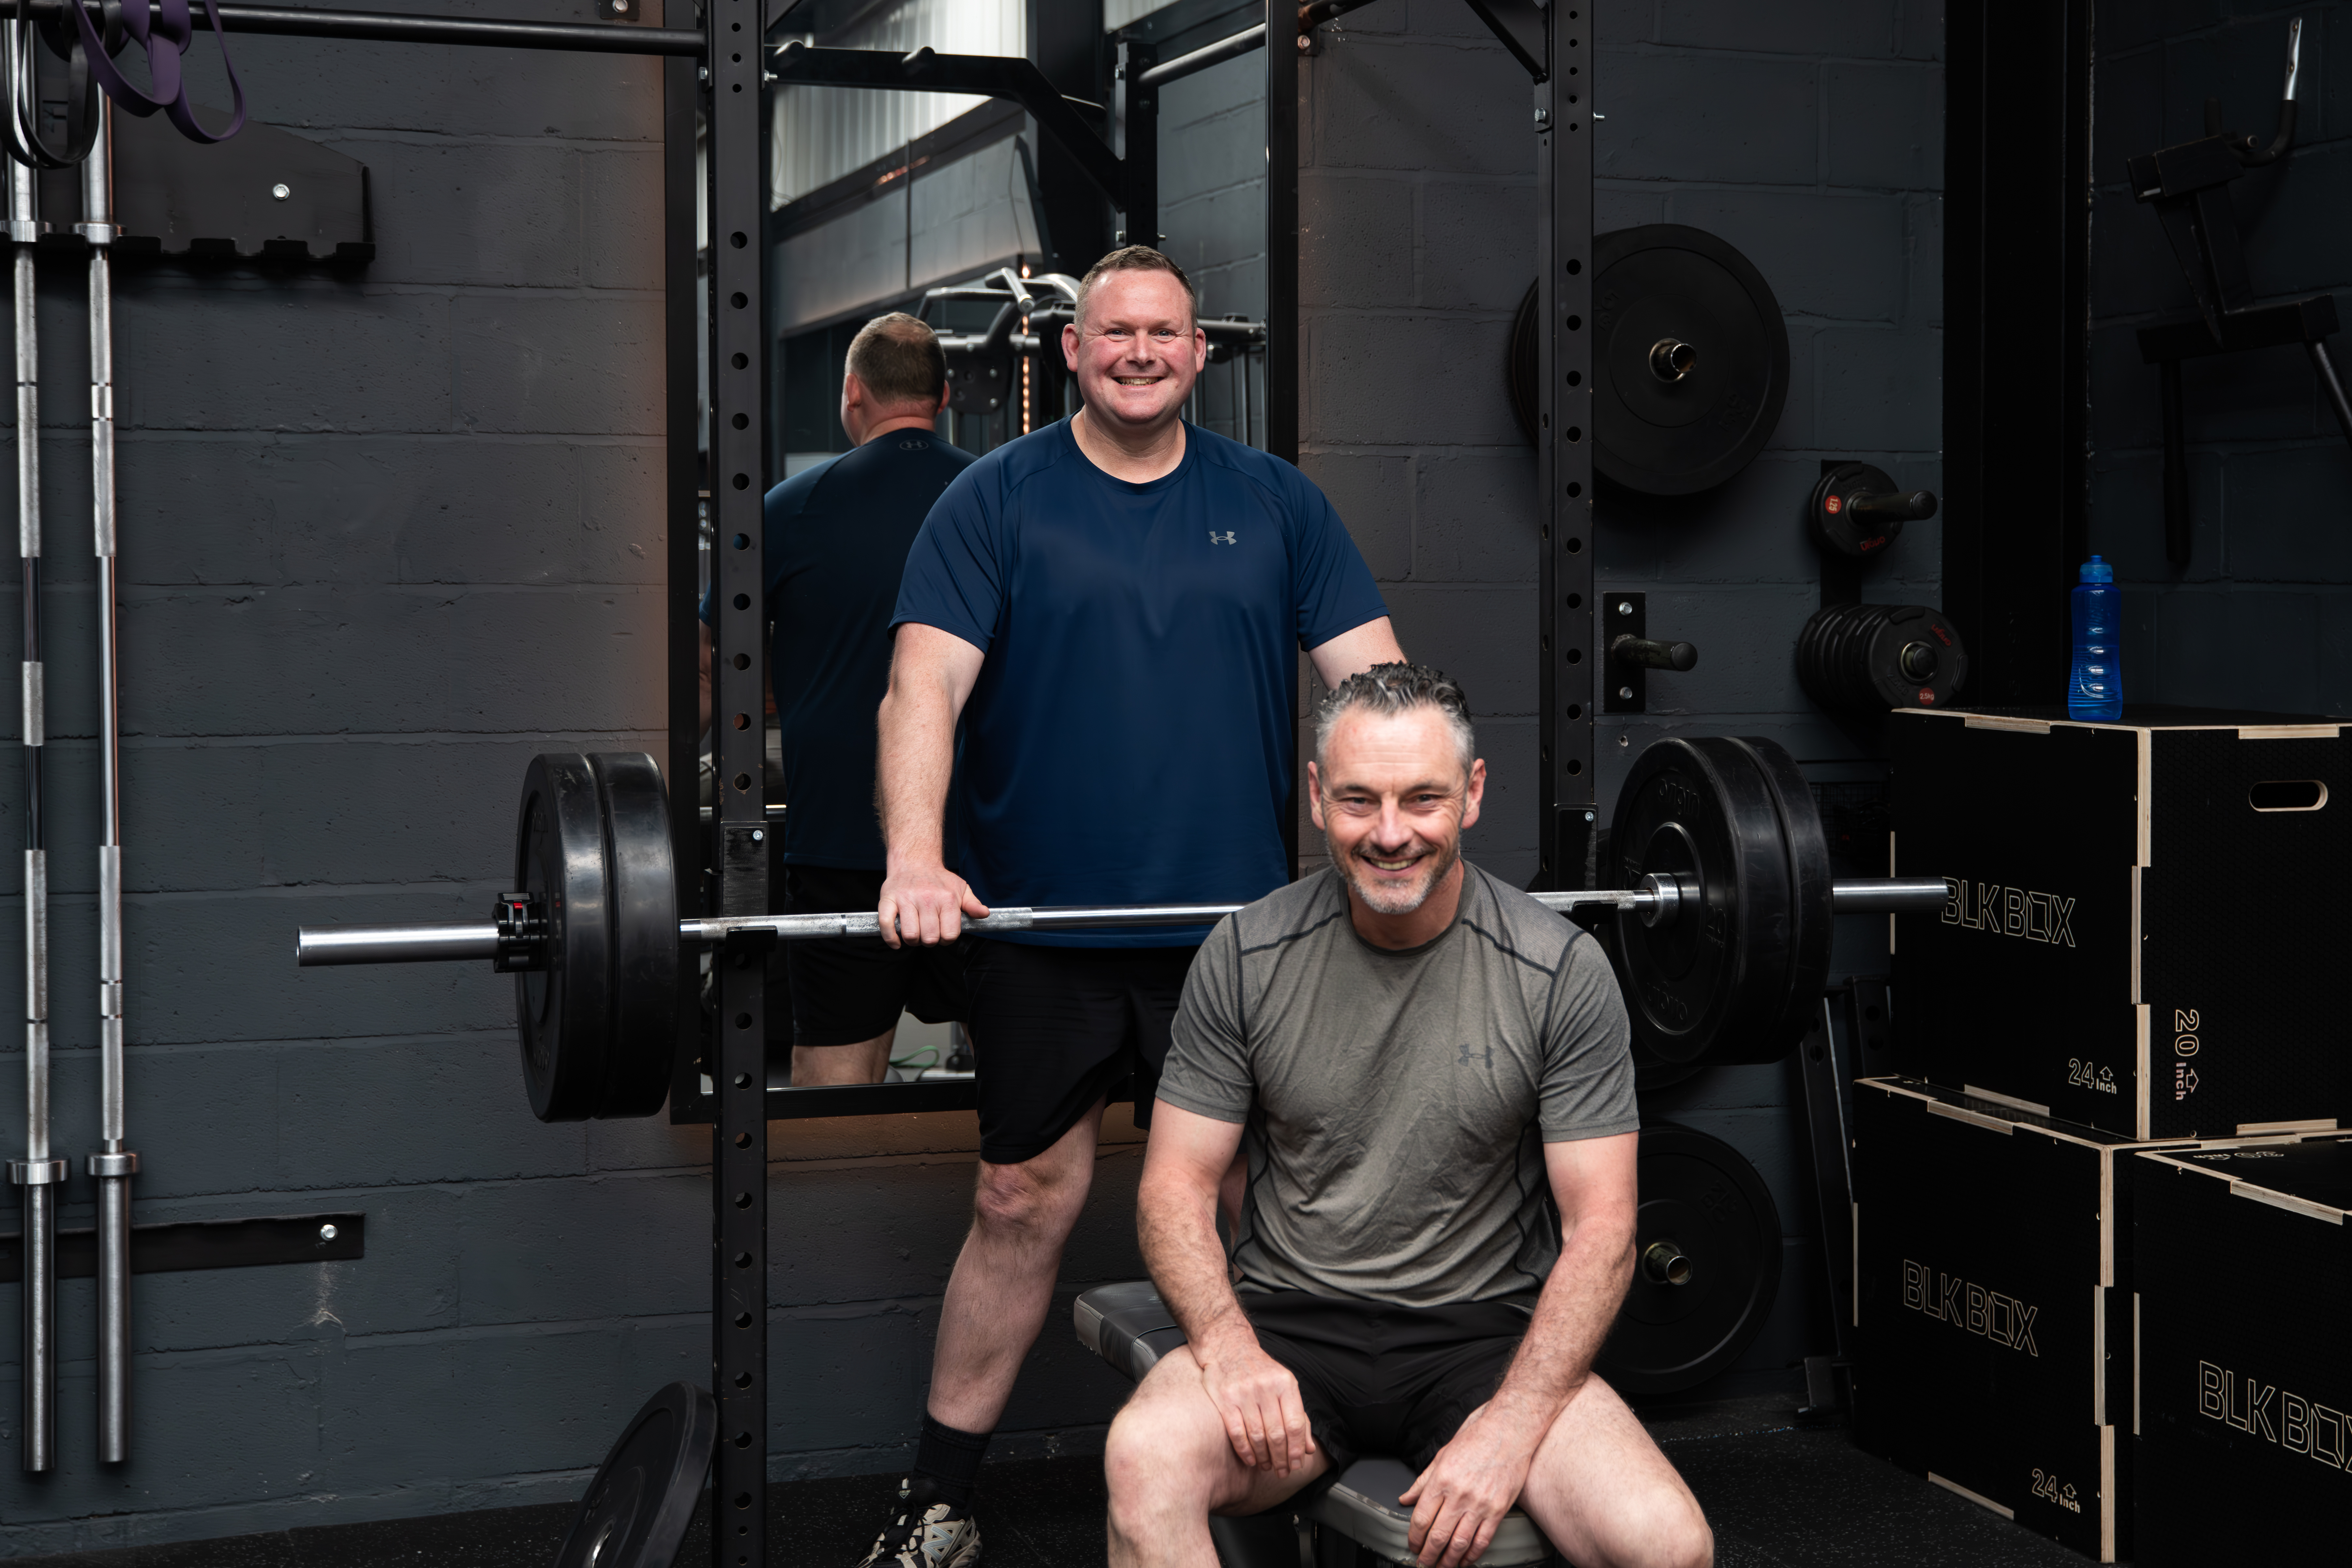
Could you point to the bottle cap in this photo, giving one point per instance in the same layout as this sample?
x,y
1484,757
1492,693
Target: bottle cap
x,y
2097,570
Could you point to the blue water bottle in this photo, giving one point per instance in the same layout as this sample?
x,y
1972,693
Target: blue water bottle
x,y
2096,690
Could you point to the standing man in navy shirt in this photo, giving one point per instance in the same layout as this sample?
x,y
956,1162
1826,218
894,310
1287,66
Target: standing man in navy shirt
x,y
1098,625
837,536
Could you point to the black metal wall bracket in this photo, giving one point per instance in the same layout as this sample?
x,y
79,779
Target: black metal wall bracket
x,y
263,196
175,1245
1628,653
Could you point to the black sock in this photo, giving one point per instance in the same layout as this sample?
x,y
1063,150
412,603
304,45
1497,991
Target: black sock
x,y
947,1464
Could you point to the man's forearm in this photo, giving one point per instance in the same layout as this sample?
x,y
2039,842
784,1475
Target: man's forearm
x,y
1176,1224
1572,1316
915,743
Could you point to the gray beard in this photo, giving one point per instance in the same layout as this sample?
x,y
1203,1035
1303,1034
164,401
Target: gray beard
x,y
1387,900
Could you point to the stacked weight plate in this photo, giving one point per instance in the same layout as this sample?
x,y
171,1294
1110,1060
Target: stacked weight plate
x,y
1872,657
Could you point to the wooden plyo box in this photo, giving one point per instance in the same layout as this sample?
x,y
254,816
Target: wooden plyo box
x,y
1993,1310
2138,936
2243,1414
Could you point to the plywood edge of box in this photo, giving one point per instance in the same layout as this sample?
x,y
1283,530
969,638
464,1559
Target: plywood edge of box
x,y
2003,1114
2240,1186
2289,732
1973,1118
2171,1157
1976,1497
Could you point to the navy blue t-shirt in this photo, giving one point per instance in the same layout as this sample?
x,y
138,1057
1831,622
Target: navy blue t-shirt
x,y
1128,739
836,541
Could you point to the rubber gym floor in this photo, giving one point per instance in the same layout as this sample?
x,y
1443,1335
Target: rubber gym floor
x,y
1780,1494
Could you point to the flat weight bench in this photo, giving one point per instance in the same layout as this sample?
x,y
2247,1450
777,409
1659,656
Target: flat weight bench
x,y
1355,1521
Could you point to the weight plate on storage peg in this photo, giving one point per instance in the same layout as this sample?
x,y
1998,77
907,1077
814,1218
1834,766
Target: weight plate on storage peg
x,y
1712,984
1858,510
635,1511
1706,1264
1690,361
1522,365
1872,657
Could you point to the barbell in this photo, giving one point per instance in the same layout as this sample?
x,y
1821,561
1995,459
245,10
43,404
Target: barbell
x,y
1725,865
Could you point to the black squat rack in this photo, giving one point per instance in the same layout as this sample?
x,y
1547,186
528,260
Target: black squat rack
x,y
718,69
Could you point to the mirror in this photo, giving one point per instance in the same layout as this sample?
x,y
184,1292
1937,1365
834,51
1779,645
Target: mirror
x,y
962,211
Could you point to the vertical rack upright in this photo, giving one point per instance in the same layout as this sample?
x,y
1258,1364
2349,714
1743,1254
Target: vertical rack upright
x,y
738,483
1563,117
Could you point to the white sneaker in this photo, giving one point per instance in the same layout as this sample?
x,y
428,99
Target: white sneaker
x,y
942,1536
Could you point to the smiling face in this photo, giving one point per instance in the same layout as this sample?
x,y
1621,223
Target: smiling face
x,y
1391,796
1137,351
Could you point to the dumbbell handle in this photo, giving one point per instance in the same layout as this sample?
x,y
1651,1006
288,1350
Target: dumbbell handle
x,y
1658,900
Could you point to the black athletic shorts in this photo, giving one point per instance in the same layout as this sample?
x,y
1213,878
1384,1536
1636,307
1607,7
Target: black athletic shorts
x,y
1385,1380
1054,1029
851,988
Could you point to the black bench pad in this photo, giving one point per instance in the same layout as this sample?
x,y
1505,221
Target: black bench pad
x,y
1129,1326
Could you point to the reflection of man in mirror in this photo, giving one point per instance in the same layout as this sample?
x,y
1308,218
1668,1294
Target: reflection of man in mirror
x,y
1428,1074
837,536
1099,626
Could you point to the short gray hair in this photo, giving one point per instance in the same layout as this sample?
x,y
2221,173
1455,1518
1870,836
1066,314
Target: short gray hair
x,y
1392,689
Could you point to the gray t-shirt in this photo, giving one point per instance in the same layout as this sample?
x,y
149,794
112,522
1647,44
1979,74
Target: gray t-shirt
x,y
1397,1104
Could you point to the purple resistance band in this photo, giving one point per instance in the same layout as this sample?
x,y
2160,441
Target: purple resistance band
x,y
167,24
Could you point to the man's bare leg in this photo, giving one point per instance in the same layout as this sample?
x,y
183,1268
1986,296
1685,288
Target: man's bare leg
x,y
1003,1279
867,1062
1171,1466
1606,1498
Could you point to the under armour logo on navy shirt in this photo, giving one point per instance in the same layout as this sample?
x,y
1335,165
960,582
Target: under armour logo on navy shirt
x,y
1224,538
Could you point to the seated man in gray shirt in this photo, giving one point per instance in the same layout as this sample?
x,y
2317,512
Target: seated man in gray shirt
x,y
1421,1064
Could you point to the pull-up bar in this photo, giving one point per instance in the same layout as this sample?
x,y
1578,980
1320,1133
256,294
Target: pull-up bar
x,y
389,27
